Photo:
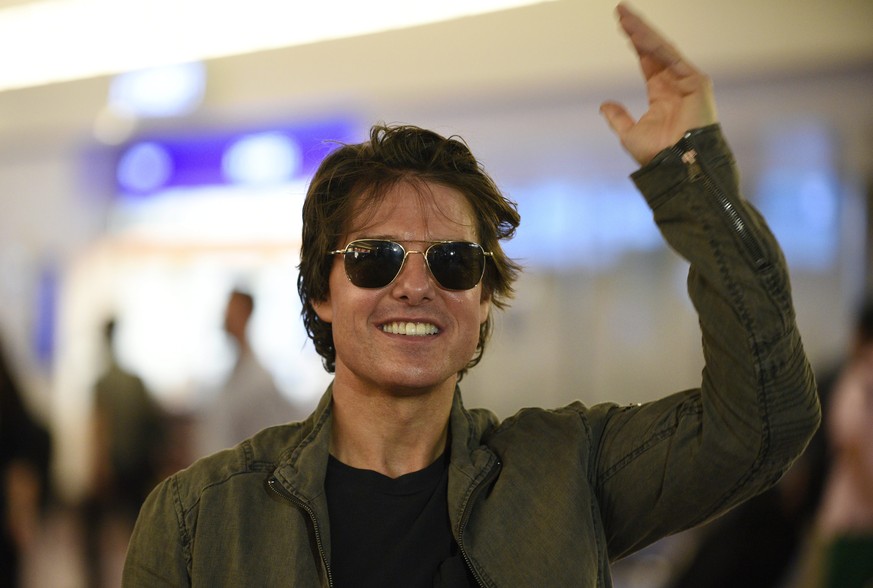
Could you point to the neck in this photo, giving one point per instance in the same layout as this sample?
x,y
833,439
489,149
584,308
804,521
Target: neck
x,y
393,434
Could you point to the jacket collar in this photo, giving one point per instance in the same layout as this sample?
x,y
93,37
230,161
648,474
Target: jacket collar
x,y
472,461
302,469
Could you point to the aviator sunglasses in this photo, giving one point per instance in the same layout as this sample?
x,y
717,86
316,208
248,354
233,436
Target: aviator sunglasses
x,y
375,263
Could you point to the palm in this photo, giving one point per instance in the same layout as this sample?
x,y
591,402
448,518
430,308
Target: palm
x,y
679,96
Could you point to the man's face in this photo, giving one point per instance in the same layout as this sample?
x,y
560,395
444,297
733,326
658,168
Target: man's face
x,y
236,316
368,356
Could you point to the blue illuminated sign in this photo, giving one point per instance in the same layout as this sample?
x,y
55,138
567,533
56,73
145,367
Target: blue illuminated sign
x,y
257,156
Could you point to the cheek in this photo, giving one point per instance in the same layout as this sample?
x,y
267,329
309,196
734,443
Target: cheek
x,y
471,311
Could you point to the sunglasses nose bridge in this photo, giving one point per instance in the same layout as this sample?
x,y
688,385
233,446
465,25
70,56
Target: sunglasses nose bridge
x,y
407,253
414,279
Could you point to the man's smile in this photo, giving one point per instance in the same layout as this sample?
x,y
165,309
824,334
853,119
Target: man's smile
x,y
410,329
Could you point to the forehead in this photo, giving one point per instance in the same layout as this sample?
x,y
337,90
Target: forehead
x,y
435,210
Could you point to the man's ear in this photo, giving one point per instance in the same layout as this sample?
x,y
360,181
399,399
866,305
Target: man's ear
x,y
323,308
484,307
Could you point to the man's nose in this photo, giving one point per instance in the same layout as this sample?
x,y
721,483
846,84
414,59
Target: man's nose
x,y
414,282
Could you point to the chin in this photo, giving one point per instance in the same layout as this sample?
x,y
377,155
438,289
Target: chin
x,y
418,383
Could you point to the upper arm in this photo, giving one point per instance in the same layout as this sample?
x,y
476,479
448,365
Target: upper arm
x,y
159,553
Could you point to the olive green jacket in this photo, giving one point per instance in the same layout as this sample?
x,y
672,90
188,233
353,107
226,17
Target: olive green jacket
x,y
547,497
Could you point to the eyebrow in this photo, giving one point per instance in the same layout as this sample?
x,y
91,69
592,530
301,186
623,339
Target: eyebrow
x,y
402,241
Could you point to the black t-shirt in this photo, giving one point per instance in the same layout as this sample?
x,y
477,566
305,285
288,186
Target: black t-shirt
x,y
388,532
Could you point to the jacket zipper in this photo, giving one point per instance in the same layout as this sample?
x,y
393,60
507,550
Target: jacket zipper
x,y
688,155
273,484
465,516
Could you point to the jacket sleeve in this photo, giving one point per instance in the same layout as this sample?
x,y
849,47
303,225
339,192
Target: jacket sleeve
x,y
671,464
158,553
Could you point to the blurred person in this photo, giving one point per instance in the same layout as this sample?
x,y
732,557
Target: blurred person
x,y
842,545
393,482
249,400
25,451
128,429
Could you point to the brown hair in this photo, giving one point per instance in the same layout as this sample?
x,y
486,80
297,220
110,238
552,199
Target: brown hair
x,y
368,170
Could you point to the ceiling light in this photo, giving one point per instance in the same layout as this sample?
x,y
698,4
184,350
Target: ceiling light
x,y
62,40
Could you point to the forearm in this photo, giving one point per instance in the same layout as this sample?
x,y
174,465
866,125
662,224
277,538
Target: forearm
x,y
758,394
756,408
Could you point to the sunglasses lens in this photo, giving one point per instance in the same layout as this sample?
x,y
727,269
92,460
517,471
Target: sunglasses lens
x,y
373,264
457,265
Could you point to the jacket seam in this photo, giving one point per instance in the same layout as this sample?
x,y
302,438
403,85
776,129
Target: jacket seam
x,y
181,514
206,487
602,554
652,440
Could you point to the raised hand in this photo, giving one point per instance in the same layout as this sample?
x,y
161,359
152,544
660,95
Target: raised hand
x,y
680,96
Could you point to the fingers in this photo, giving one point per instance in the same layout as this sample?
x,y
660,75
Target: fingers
x,y
618,118
655,52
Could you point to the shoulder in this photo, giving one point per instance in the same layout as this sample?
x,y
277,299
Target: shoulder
x,y
547,425
254,458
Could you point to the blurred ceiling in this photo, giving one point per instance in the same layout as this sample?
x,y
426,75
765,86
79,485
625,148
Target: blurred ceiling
x,y
563,46
190,30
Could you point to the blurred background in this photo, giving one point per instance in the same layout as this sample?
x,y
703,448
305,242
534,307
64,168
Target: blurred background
x,y
153,157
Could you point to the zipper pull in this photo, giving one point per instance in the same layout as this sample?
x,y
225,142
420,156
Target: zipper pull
x,y
689,158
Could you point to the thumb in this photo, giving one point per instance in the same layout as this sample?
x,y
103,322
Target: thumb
x,y
618,118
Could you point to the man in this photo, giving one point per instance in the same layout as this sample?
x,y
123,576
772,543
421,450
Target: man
x,y
128,429
392,482
249,399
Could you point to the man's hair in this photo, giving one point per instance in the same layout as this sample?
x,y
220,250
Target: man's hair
x,y
355,178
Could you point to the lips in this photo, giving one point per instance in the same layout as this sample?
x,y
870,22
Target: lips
x,y
410,329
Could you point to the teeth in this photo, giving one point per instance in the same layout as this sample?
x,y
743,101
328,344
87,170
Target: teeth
x,y
410,329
